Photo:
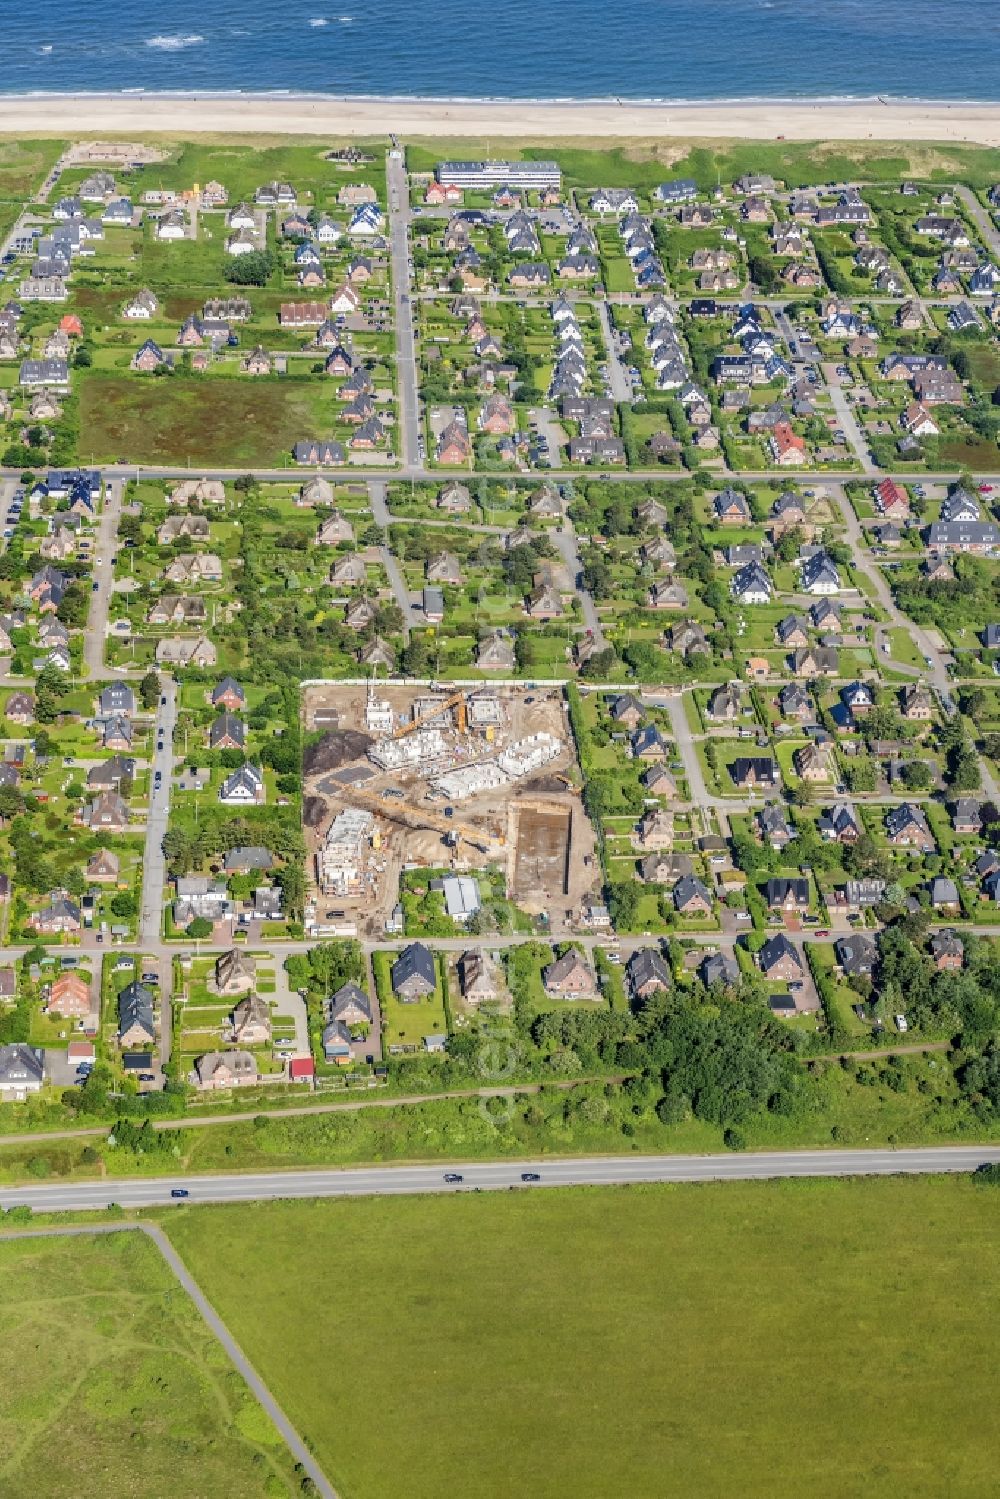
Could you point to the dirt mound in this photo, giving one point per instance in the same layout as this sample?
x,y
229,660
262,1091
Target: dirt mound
x,y
313,811
335,749
544,786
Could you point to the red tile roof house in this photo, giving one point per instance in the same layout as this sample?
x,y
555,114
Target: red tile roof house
x,y
301,1070
69,997
497,417
787,448
569,976
891,500
453,446
443,192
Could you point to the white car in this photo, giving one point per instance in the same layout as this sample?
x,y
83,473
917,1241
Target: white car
x,y
901,1024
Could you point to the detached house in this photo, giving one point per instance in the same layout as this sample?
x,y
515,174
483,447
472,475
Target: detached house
x,y
906,827
569,977
779,959
413,974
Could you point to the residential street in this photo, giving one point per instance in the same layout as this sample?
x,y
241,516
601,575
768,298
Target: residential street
x,y
105,545
621,386
407,446
851,426
936,672
565,540
154,864
983,220
400,592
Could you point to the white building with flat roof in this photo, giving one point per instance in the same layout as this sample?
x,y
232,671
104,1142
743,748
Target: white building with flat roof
x,y
526,174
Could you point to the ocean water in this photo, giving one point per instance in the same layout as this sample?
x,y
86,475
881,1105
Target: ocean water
x,y
642,49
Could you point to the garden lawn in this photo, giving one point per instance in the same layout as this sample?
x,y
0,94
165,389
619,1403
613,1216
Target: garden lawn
x,y
646,1341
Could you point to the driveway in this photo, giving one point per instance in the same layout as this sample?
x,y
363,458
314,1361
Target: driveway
x,y
848,422
400,592
291,1005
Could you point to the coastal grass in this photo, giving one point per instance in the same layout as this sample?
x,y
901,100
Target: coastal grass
x,y
771,1339
643,163
113,1385
915,1101
244,163
24,165
180,419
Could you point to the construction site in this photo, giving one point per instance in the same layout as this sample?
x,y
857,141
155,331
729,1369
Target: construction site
x,y
401,776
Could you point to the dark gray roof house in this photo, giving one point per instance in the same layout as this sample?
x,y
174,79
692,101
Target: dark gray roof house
x,y
647,971
719,968
413,973
135,1014
856,954
21,1069
247,857
779,959
350,1004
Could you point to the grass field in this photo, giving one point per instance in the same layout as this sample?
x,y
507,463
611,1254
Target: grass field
x,y
114,1386
641,164
187,420
801,1338
23,166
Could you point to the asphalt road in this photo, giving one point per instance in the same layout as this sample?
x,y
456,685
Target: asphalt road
x,y
497,1176
105,542
399,219
154,865
401,593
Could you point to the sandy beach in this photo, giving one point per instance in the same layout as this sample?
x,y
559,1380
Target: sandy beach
x,y
84,116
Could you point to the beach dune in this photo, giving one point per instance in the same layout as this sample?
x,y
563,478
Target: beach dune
x,y
83,116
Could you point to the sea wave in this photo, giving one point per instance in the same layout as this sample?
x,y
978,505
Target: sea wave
x,y
319,21
175,43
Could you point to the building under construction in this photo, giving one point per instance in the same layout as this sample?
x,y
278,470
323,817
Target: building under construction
x,y
439,778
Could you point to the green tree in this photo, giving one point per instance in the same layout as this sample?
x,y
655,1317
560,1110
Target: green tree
x,y
252,269
149,690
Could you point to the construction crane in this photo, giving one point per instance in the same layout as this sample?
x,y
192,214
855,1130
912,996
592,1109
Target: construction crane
x,y
442,707
410,816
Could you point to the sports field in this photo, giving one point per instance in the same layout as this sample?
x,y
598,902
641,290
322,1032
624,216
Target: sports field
x,y
801,1338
